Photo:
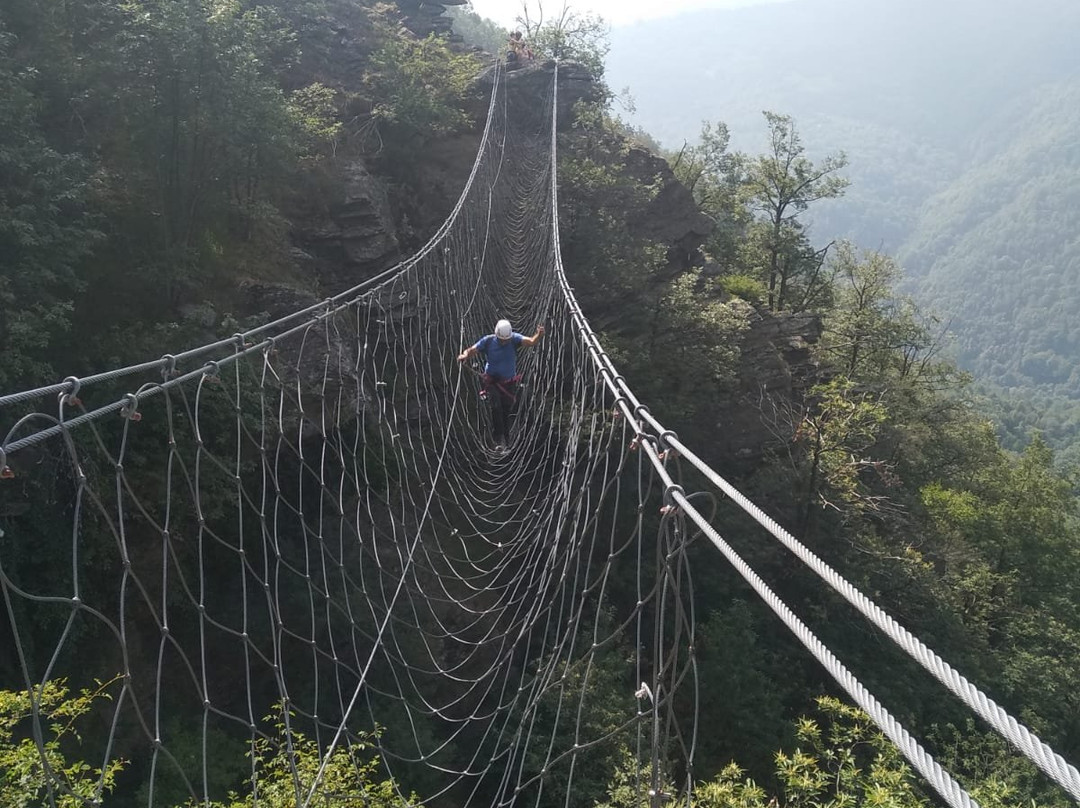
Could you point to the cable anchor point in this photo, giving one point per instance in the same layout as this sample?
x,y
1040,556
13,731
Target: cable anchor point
x,y
70,397
671,507
212,372
130,409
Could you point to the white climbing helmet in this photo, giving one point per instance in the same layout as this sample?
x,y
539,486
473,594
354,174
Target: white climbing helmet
x,y
503,330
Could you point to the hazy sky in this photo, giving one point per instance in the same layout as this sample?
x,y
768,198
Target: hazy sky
x,y
617,12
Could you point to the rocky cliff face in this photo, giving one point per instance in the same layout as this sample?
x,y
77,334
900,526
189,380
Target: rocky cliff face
x,y
529,86
373,222
369,224
776,369
357,239
672,217
424,18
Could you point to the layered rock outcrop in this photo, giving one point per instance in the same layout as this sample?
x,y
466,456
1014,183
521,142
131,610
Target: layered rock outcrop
x,y
425,18
672,217
776,369
359,238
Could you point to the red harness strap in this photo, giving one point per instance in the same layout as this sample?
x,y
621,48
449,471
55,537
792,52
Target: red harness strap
x,y
488,381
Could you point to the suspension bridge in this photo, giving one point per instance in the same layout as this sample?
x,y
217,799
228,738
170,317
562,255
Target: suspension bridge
x,y
310,517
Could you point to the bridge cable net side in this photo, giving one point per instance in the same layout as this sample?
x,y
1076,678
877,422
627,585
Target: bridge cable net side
x,y
662,444
301,541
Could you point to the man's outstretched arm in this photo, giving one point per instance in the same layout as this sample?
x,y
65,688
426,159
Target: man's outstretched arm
x,y
470,351
528,342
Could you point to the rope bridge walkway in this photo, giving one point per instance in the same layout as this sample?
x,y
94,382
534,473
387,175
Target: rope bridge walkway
x,y
308,519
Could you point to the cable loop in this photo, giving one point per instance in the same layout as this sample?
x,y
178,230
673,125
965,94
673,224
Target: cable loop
x,y
648,436
666,437
71,396
130,409
669,494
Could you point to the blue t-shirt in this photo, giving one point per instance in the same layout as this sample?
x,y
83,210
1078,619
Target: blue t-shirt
x,y
501,357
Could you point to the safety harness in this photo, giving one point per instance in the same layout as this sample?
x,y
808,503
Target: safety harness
x,y
487,382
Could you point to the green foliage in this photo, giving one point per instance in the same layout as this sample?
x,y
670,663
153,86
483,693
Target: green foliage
x,y
842,761
193,130
736,656
707,168
754,203
211,114
837,433
572,36
969,176
872,333
996,248
714,175
749,289
630,783
890,439
176,772
37,775
419,85
1000,778
588,702
781,184
846,762
478,31
45,228
314,112
695,338
682,351
286,767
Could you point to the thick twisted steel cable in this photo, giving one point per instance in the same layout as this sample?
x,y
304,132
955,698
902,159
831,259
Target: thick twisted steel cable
x,y
1040,753
941,780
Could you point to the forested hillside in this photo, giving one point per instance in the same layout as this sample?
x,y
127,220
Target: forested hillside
x,y
166,166
175,171
998,251
955,119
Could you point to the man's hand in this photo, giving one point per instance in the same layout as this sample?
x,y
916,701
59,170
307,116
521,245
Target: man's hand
x,y
528,342
463,355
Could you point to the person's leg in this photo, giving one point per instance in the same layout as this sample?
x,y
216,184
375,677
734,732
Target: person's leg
x,y
498,415
510,403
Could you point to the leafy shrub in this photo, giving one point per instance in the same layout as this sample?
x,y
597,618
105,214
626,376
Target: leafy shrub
x,y
744,286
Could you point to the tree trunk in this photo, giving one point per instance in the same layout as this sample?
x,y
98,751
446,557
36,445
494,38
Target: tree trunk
x,y
774,260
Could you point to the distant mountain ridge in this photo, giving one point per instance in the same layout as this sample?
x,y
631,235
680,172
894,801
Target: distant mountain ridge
x,y
961,121
927,66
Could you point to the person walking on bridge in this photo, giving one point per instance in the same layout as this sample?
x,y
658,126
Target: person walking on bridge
x,y
500,376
